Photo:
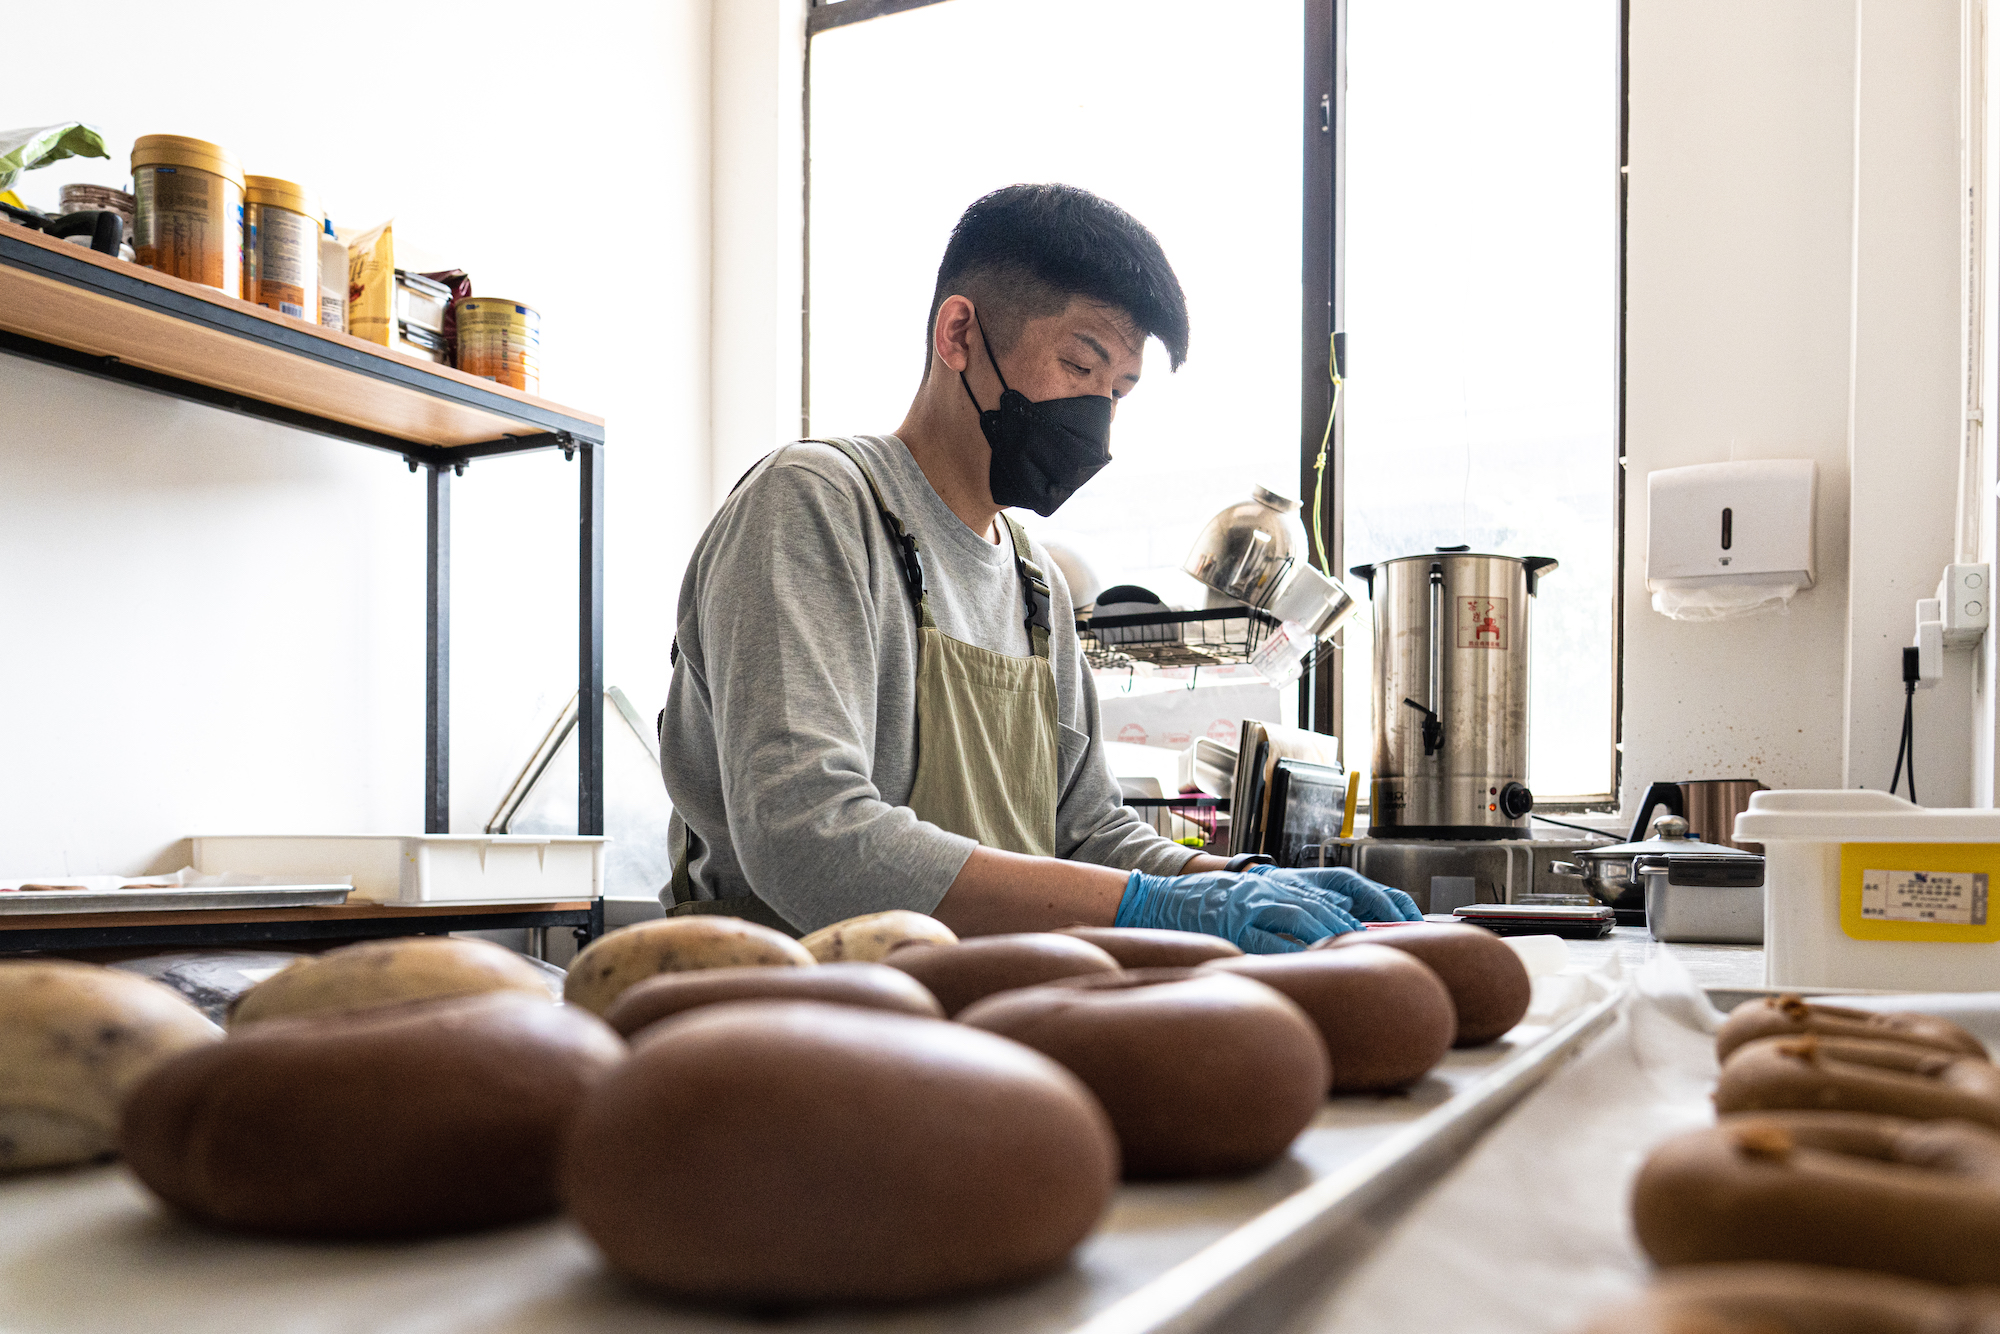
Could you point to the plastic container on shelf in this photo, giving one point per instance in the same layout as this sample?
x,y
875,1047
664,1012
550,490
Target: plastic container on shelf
x,y
332,280
421,868
1866,890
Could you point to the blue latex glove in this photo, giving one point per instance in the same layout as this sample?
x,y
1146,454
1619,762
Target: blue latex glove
x,y
1352,890
1263,914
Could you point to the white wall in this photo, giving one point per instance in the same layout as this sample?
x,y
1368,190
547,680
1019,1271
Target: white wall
x,y
759,231
1794,292
214,624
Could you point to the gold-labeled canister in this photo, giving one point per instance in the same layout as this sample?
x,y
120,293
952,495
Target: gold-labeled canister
x,y
500,340
188,207
281,230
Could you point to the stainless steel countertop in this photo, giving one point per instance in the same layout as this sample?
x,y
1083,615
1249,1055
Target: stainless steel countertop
x,y
1728,966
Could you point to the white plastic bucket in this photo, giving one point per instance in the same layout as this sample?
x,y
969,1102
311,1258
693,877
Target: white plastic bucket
x,y
1865,890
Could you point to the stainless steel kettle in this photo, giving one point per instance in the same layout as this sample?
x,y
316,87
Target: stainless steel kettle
x,y
1246,552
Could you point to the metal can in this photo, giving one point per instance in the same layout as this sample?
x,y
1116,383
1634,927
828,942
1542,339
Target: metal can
x,y
188,207
500,340
281,247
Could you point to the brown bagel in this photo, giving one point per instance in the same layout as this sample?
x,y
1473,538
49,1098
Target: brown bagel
x,y
1798,1299
1489,985
972,969
783,1152
1202,1072
865,984
1917,1198
432,1117
1146,947
1385,1017
1790,1016
1843,1074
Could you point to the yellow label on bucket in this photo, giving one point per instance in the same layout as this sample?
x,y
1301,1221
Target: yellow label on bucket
x,y
1919,891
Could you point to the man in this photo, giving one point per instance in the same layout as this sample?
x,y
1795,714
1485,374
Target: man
x,y
878,700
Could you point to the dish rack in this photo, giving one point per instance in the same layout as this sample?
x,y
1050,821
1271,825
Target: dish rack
x,y
1207,638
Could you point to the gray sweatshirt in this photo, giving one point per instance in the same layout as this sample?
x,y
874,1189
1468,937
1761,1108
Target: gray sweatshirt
x,y
791,725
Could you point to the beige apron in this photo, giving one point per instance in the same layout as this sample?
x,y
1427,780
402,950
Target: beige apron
x,y
987,760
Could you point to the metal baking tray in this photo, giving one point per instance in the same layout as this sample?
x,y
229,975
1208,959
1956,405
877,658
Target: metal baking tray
x,y
31,901
1238,1255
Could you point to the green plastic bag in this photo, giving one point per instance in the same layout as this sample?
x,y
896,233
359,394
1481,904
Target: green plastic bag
x,y
24,150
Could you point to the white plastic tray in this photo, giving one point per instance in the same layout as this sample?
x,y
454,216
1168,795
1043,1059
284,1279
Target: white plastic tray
x,y
420,868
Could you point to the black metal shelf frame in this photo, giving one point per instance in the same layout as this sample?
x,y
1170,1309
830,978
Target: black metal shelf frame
x,y
542,427
586,923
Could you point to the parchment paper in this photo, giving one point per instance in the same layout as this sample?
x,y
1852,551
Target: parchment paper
x,y
1531,1234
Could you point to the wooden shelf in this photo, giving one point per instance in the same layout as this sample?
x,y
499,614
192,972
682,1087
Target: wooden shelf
x,y
67,304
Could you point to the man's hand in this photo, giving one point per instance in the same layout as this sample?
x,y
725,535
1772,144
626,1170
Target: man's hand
x,y
1367,900
1265,914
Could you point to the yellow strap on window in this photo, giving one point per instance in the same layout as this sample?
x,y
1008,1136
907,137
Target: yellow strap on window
x,y
1319,465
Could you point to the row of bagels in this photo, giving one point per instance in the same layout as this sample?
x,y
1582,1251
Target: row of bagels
x,y
1851,1182
880,1112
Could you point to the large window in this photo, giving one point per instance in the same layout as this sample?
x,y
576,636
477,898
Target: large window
x,y
1183,114
1480,237
1481,307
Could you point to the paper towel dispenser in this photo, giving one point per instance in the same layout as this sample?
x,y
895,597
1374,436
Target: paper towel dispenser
x,y
1726,539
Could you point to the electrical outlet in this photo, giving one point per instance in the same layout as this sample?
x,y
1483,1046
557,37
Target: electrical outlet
x,y
1965,598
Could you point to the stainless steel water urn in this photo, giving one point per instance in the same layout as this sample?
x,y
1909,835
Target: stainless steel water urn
x,y
1451,694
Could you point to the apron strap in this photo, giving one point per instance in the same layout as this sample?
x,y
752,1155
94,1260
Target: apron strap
x,y
906,543
1034,587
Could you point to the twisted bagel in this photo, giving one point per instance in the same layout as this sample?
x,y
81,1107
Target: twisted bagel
x,y
1791,1017
1845,1074
1916,1198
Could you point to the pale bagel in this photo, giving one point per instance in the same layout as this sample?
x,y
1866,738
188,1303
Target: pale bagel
x,y
867,938
74,1040
673,945
387,972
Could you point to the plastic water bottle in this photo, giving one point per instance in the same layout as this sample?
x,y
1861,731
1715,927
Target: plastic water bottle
x,y
332,281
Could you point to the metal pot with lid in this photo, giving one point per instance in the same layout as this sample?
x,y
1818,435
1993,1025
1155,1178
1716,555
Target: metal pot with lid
x,y
1608,871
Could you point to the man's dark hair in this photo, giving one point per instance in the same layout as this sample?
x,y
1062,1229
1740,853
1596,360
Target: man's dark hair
x,y
1021,253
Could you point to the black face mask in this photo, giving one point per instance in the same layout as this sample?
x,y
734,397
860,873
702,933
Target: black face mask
x,y
1042,452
